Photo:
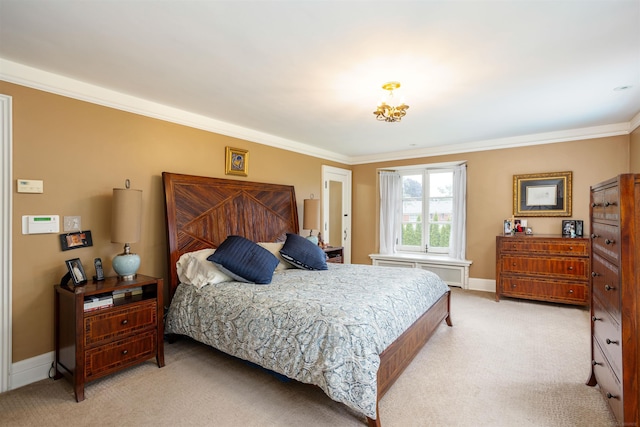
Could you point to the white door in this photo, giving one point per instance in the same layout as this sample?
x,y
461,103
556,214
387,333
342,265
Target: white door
x,y
336,208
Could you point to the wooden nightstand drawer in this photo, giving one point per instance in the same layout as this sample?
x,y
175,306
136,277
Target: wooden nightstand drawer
x,y
553,290
565,247
575,268
110,357
115,323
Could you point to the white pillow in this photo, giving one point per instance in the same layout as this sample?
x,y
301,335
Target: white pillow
x,y
194,269
274,248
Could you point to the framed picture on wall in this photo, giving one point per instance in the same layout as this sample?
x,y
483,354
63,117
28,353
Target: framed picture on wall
x,y
542,194
237,161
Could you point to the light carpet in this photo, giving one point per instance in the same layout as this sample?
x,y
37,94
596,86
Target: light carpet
x,y
507,363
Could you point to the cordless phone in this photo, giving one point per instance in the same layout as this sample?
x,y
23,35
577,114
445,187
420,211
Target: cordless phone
x,y
99,273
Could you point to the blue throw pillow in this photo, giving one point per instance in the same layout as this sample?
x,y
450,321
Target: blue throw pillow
x,y
301,253
244,260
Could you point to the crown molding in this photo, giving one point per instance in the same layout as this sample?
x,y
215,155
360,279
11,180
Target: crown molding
x,y
23,75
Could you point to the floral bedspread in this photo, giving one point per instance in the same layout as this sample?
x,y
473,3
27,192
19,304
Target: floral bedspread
x,y
326,328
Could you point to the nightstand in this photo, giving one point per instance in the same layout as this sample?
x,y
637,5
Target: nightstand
x,y
95,343
334,254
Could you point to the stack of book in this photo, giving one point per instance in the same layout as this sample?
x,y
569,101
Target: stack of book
x,y
126,293
97,302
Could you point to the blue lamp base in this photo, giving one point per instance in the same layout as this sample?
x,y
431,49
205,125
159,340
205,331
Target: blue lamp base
x,y
126,265
313,239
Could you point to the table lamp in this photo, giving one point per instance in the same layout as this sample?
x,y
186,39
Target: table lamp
x,y
126,221
311,218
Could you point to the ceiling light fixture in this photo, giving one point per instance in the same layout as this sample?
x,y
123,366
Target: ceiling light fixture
x,y
388,110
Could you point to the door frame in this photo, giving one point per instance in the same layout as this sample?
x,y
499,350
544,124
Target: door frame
x,y
6,245
330,173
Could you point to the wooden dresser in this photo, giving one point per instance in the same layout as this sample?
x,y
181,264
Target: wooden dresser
x,y
615,343
543,268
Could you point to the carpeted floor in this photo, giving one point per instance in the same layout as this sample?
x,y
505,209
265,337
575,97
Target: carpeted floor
x,y
512,363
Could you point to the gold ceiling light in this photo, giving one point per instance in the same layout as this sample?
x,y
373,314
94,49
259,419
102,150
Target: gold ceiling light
x,y
388,110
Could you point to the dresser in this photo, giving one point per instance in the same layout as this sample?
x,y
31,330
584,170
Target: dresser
x,y
90,344
544,268
615,342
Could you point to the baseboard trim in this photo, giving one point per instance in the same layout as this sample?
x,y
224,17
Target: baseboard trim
x,y
30,370
485,285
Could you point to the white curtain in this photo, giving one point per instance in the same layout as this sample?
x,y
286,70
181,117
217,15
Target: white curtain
x,y
390,210
457,239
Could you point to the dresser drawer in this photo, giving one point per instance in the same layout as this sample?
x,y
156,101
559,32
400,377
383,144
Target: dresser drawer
x,y
107,325
605,240
606,330
105,359
604,204
610,386
575,268
553,290
605,284
547,247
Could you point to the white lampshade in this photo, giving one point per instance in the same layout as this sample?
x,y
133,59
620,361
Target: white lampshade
x,y
126,225
311,217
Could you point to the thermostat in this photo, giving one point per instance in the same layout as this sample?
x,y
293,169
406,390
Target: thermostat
x,y
40,224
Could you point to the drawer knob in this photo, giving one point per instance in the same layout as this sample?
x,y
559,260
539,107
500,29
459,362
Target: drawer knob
x,y
594,363
611,396
609,242
570,291
125,352
607,204
125,321
570,268
594,274
609,341
609,288
595,319
594,204
594,236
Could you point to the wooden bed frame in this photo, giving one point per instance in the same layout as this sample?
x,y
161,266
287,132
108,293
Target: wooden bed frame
x,y
201,212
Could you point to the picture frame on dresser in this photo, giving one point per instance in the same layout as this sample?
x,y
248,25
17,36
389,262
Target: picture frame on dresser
x,y
543,194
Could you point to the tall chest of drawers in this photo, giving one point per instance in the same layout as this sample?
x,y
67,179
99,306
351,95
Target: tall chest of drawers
x,y
615,291
543,268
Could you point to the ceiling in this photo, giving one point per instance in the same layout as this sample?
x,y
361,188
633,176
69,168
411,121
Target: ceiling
x,y
307,75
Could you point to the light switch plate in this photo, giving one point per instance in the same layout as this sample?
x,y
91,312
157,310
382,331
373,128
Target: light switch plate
x,y
72,223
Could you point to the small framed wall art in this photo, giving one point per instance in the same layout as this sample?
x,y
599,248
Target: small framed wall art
x,y
542,194
80,239
237,162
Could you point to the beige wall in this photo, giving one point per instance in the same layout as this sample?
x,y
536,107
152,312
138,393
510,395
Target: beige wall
x,y
634,152
82,151
490,193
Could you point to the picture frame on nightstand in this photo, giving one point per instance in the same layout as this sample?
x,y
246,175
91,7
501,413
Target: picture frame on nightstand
x,y
76,271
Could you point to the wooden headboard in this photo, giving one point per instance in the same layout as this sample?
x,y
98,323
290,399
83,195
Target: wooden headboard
x,y
201,212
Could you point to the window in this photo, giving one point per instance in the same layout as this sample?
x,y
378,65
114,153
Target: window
x,y
427,210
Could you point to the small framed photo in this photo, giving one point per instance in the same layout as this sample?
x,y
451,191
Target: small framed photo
x,y
507,226
76,271
237,162
80,239
568,226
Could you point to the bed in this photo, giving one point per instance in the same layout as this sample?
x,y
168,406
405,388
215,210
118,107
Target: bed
x,y
383,321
